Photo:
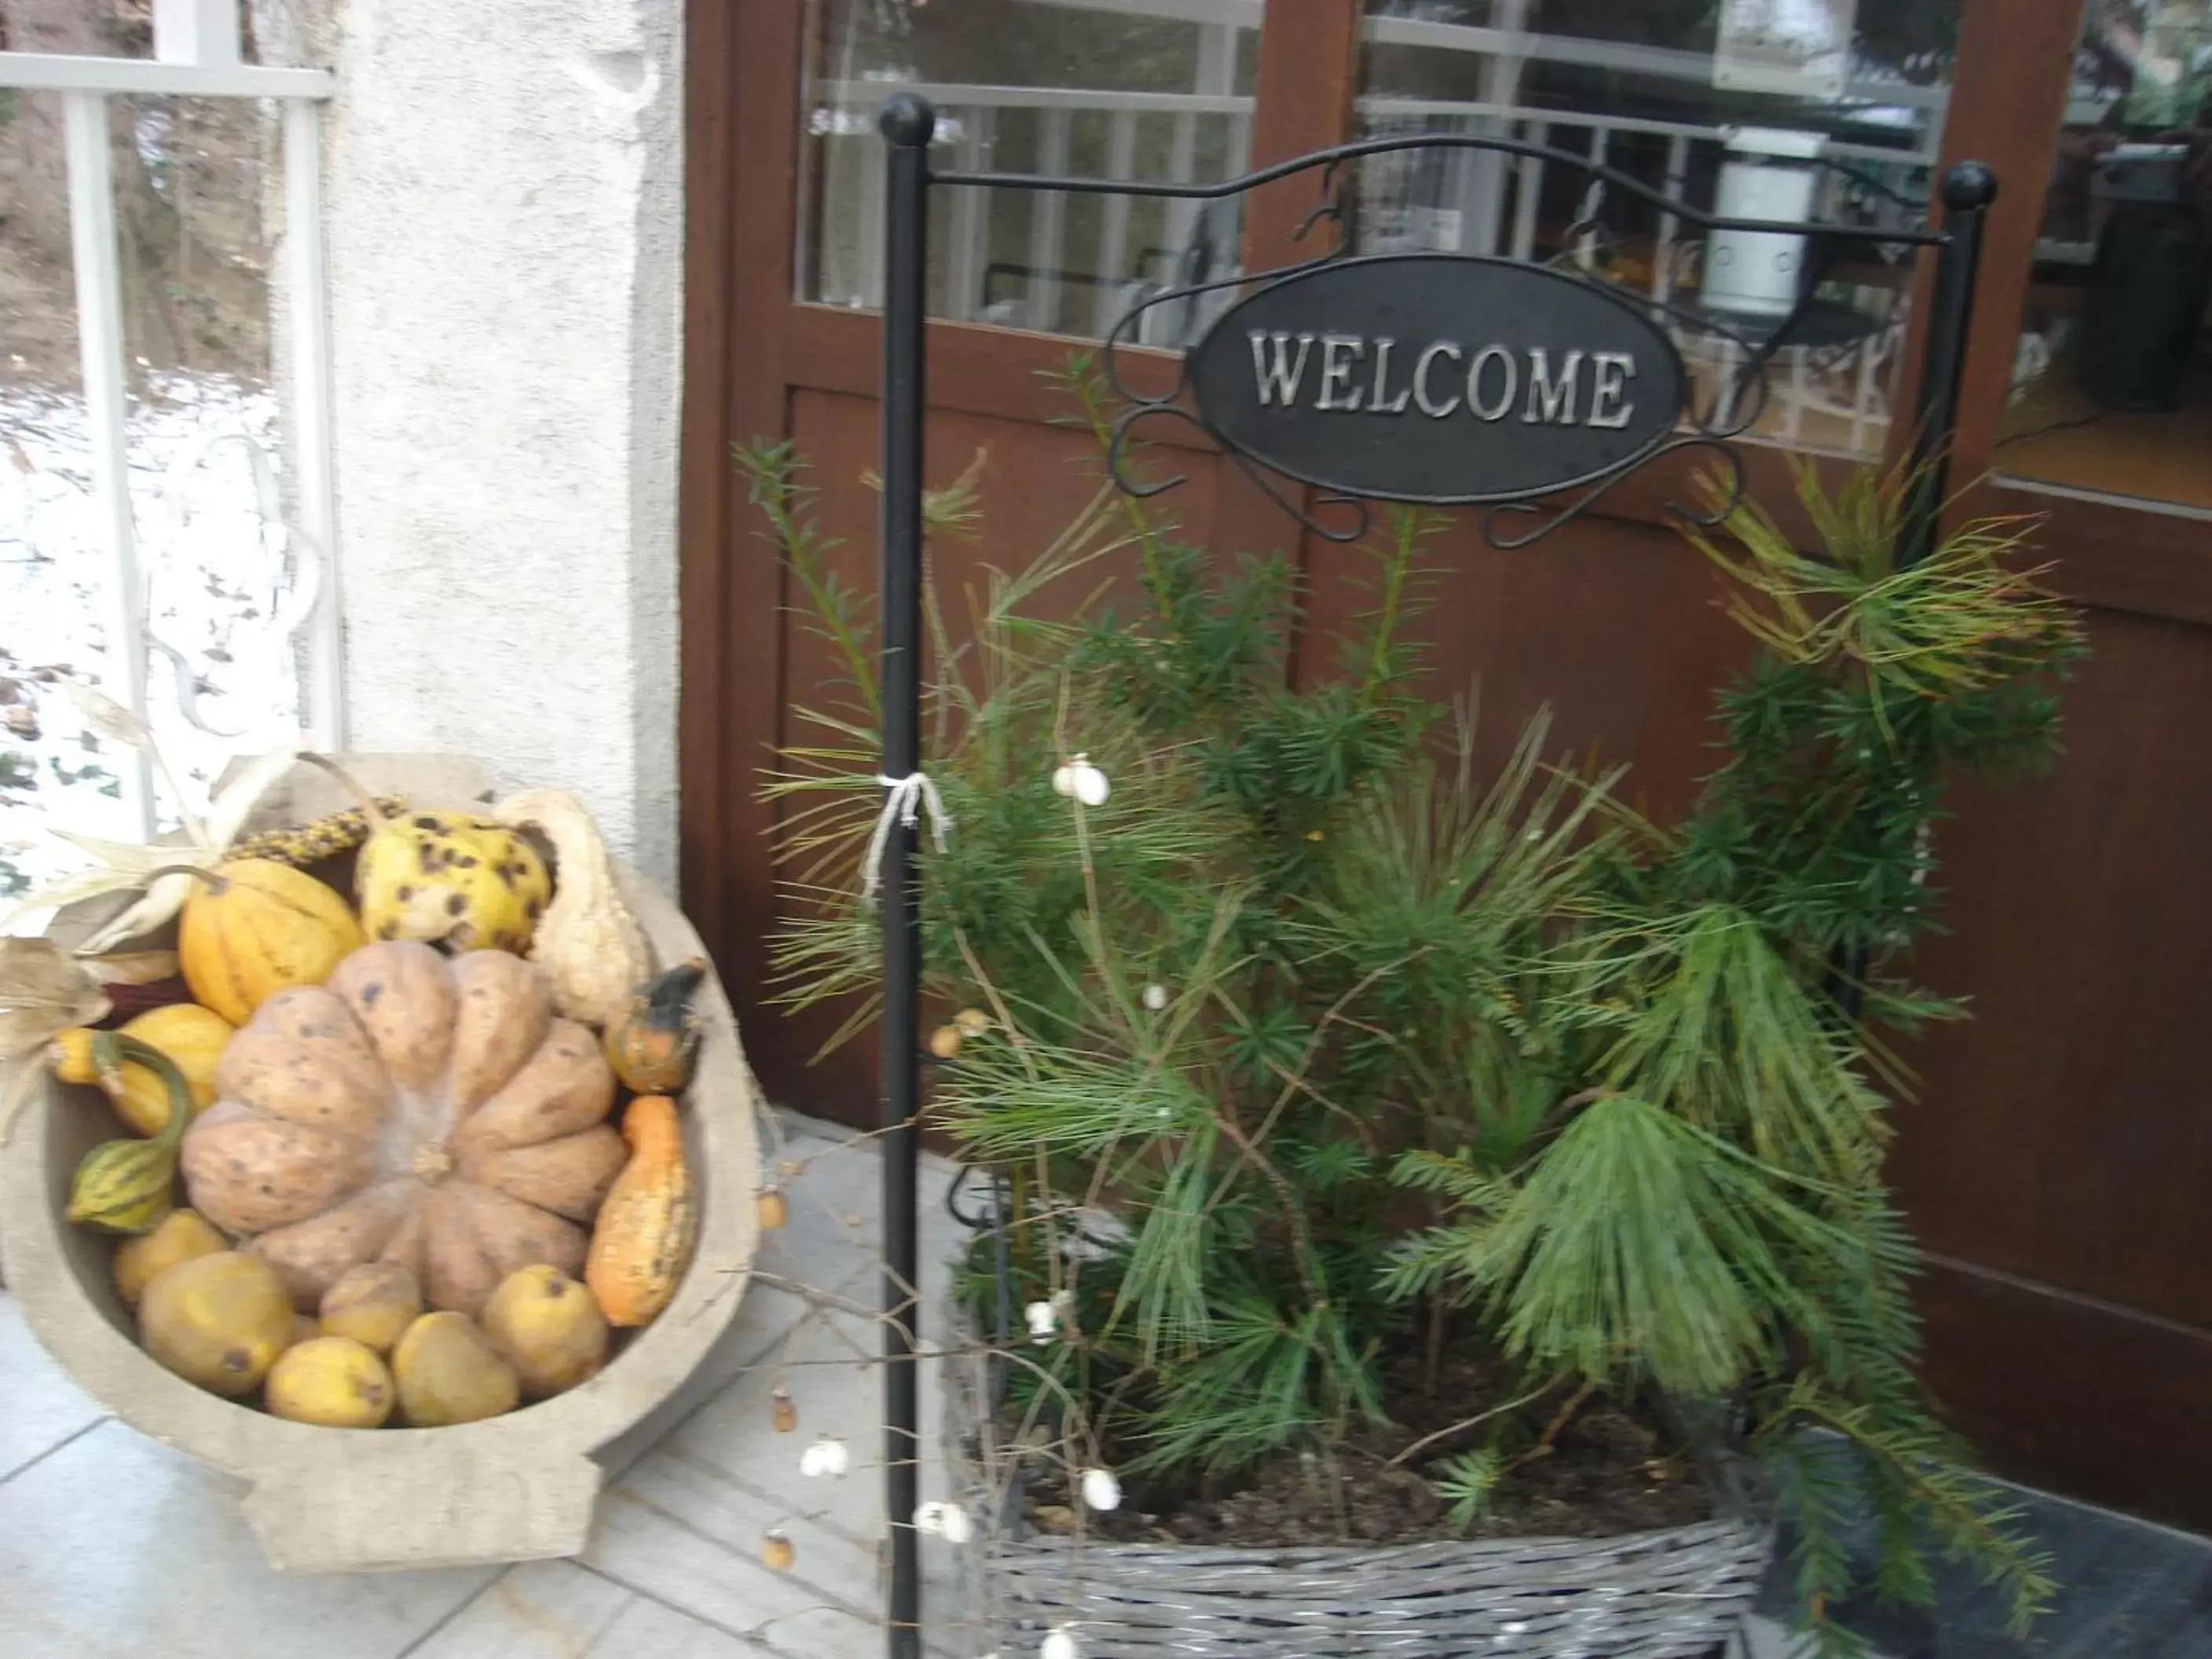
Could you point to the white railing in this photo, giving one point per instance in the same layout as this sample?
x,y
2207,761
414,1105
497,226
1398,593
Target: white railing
x,y
969,122
1827,398
1466,201
196,54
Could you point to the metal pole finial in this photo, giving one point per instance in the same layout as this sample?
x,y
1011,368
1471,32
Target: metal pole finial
x,y
1966,193
1968,187
907,120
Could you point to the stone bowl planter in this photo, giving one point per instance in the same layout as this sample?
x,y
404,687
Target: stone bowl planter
x,y
1675,1594
511,1488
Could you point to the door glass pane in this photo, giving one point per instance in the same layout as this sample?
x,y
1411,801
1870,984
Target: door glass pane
x,y
1827,110
2111,388
1104,90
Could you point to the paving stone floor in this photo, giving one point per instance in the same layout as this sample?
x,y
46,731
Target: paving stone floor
x,y
112,1547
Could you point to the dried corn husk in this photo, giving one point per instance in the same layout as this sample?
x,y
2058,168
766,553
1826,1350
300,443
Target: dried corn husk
x,y
46,990
124,865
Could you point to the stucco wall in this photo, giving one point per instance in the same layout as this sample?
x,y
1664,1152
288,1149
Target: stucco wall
x,y
504,212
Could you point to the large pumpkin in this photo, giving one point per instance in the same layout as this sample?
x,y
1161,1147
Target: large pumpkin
x,y
415,1109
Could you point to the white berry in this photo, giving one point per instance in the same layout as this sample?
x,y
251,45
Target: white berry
x,y
1156,997
1043,1320
948,1521
1101,1491
1060,1644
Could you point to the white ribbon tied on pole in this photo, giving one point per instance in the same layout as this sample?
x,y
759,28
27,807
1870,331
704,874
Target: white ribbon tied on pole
x,y
903,799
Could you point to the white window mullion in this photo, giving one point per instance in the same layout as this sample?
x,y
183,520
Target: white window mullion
x,y
100,339
1048,227
971,217
1113,226
201,32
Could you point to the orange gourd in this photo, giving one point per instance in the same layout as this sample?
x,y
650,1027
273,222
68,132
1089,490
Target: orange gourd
x,y
643,1242
253,927
423,1111
654,1044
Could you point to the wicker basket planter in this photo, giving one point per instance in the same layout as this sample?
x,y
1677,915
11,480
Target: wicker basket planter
x,y
509,1488
1676,1593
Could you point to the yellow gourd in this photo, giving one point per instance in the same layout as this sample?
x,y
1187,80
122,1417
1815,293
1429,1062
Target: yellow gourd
x,y
178,1237
448,1372
447,878
374,1302
643,1239
252,927
193,1037
332,1382
546,1326
220,1320
444,878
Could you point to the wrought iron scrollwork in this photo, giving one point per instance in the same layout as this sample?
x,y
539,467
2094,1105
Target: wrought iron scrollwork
x,y
1117,451
1550,514
1330,209
1714,416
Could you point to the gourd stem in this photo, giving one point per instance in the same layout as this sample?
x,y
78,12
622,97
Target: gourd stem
x,y
372,814
146,1054
216,883
668,996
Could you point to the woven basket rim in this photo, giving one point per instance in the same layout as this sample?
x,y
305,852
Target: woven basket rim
x,y
987,1476
1522,1545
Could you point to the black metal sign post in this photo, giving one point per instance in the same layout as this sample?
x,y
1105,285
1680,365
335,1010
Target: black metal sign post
x,y
1968,192
1428,377
907,123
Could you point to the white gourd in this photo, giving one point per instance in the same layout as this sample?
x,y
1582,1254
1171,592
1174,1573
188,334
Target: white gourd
x,y
587,939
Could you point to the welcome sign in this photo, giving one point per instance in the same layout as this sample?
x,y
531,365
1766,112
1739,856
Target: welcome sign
x,y
1438,378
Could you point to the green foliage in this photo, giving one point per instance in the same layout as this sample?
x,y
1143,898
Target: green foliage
x,y
1467,1480
1877,683
1356,1039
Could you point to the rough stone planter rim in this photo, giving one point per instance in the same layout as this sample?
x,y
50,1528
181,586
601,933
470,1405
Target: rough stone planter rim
x,y
516,1487
1674,1593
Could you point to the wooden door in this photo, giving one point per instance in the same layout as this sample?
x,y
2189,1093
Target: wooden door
x,y
2057,1160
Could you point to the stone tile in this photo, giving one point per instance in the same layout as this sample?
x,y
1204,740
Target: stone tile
x,y
667,1533
2127,1589
836,1201
762,1318
651,1629
1759,1638
43,1406
540,1610
828,1363
684,1522
556,1610
116,1547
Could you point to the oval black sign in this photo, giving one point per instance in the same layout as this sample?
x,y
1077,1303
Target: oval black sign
x,y
1438,377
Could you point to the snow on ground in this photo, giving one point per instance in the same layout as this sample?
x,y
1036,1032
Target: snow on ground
x,y
203,465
